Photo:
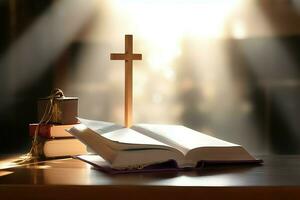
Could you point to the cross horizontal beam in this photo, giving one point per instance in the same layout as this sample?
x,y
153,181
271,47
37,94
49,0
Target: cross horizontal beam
x,y
121,56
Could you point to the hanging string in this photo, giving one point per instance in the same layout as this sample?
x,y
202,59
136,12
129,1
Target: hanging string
x,y
47,116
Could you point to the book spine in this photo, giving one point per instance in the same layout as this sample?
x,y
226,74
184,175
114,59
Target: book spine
x,y
61,148
44,130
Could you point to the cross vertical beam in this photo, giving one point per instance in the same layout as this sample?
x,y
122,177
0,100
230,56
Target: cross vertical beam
x,y
128,82
128,56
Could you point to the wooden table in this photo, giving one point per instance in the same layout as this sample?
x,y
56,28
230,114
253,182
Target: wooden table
x,y
278,178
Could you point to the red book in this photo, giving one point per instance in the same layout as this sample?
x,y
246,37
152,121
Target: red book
x,y
51,130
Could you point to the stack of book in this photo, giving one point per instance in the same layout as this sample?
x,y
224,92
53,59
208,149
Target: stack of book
x,y
55,141
60,114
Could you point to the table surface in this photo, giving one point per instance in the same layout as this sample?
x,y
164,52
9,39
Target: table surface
x,y
277,177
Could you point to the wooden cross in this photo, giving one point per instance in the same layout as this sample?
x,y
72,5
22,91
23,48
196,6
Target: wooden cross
x,y
128,56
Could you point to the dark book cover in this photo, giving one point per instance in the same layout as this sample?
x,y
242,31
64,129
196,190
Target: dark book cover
x,y
169,166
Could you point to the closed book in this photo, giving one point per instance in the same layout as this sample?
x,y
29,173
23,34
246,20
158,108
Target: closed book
x,y
61,148
64,110
51,130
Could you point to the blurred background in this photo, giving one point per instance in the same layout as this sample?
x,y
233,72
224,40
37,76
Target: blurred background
x,y
228,68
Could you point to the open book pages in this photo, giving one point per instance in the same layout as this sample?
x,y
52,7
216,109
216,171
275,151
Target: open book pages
x,y
148,144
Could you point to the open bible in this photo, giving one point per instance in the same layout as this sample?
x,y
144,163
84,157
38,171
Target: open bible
x,y
146,145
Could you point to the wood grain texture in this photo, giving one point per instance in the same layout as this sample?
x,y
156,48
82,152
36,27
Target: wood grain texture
x,y
278,178
128,57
